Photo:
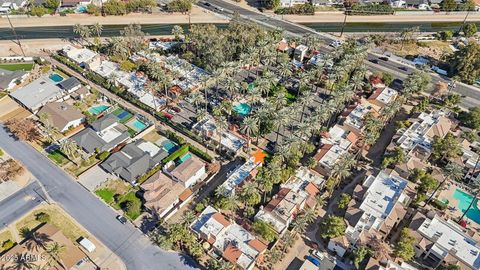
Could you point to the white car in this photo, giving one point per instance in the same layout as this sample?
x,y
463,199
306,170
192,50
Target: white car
x,y
318,254
336,43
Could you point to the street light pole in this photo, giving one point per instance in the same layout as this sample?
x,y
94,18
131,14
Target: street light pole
x,y
464,21
344,23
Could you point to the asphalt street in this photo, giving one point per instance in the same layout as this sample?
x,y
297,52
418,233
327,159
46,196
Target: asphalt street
x,y
471,94
20,203
133,247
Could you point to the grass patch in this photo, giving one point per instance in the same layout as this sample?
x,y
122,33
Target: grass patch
x,y
2,94
130,204
291,97
105,194
58,218
17,66
58,157
5,236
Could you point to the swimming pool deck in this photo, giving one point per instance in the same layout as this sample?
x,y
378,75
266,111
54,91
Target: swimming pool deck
x,y
453,211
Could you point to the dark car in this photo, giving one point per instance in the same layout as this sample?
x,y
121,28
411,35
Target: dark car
x,y
207,4
403,68
375,61
397,84
261,9
384,58
176,109
122,219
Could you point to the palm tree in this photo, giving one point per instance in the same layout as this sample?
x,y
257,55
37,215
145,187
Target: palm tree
x,y
177,31
222,126
476,191
69,148
249,127
82,31
451,171
342,167
55,250
188,217
288,239
281,119
96,29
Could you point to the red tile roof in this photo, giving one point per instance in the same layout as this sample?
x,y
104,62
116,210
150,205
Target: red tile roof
x,y
221,219
322,151
232,253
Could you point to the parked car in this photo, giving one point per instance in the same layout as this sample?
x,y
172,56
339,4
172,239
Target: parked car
x,y
375,61
403,68
176,109
384,58
318,254
336,43
122,219
167,115
313,260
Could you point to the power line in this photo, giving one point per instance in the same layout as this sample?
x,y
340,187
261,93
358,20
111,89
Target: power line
x,y
16,36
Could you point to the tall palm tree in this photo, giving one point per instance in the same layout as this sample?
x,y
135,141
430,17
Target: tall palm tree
x,y
55,250
69,148
342,167
451,171
222,126
96,29
281,119
82,31
249,127
188,217
288,239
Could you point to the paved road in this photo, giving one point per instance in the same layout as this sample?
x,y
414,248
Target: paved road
x,y
471,94
126,241
20,203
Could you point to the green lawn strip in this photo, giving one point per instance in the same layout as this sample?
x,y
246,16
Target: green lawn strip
x,y
58,157
5,236
17,66
106,194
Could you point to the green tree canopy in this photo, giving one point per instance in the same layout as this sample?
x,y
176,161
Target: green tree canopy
x,y
265,230
472,118
359,255
404,247
447,147
332,226
448,5
469,29
465,63
344,200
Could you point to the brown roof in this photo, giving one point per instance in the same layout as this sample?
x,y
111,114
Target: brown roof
x,y
312,189
322,151
352,137
188,168
257,245
376,93
59,114
232,253
441,128
185,194
372,264
160,192
341,241
277,199
282,45
221,219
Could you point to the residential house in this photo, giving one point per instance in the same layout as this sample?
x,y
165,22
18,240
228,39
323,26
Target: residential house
x,y
7,6
187,170
134,160
382,97
337,142
416,140
299,192
373,264
38,93
291,3
102,135
379,204
300,52
83,57
70,85
228,239
163,195
230,143
72,256
243,173
61,115
8,79
353,116
81,93
440,241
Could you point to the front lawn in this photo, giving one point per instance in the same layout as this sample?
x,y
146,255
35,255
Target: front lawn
x,y
105,194
77,169
58,218
17,66
58,157
130,204
4,237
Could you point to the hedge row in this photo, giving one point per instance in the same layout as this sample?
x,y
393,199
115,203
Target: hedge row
x,y
439,204
180,152
69,63
200,153
147,175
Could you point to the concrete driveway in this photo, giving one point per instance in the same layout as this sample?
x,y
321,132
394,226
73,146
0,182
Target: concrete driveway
x,y
94,177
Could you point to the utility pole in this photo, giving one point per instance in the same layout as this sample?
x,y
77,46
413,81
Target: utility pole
x,y
344,23
464,21
16,36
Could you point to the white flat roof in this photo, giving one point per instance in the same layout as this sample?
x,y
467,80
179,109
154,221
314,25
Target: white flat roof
x,y
79,55
332,155
109,134
355,117
239,175
449,237
387,95
149,147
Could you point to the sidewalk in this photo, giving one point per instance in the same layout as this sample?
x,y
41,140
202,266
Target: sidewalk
x,y
126,104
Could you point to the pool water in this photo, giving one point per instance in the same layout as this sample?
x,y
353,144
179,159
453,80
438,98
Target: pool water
x,y
55,77
184,157
138,125
464,200
243,109
95,110
82,9
169,146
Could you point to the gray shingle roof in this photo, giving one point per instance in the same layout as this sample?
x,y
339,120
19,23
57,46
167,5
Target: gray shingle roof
x,y
69,83
131,162
7,76
104,122
37,93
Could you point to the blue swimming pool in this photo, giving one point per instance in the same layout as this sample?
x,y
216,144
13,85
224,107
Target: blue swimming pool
x,y
184,157
169,146
139,125
242,108
464,200
95,110
55,77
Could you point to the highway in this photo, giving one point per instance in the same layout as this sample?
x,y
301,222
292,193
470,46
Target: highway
x,y
470,94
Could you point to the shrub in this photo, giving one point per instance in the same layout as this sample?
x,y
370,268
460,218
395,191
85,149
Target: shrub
x,y
359,9
115,7
305,9
439,204
104,155
175,137
1,152
7,245
93,9
179,6
38,11
42,217
152,171
445,35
